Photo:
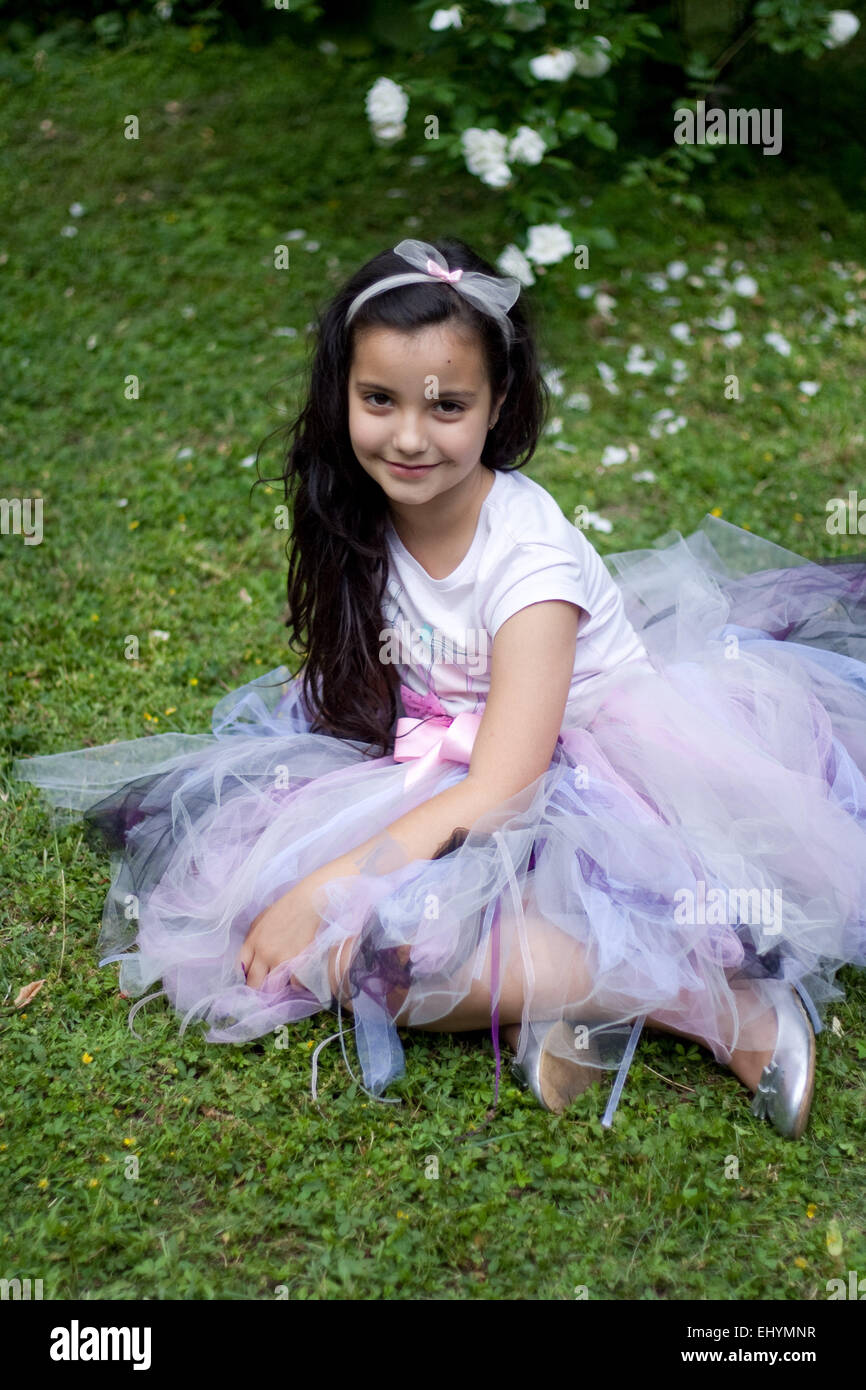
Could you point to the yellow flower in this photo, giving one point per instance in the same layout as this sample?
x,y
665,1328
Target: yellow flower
x,y
133,524
172,709
94,1182
310,1043
94,617
43,1182
810,1210
172,591
86,1057
800,1262
797,516
4,1146
717,511
193,680
146,715
129,1143
404,1215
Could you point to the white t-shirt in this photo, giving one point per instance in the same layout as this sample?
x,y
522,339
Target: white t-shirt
x,y
439,632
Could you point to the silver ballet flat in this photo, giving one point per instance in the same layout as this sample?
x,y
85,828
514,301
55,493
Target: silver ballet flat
x,y
784,1094
555,1081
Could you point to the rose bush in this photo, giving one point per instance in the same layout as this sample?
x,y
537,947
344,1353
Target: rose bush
x,y
514,91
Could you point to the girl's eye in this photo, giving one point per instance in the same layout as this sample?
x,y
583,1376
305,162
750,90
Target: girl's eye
x,y
382,398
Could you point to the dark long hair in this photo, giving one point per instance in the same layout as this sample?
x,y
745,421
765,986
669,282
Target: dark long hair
x,y
338,562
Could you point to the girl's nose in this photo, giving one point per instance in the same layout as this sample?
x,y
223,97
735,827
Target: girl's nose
x,y
410,435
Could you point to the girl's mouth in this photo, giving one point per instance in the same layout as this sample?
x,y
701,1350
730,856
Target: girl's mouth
x,y
405,471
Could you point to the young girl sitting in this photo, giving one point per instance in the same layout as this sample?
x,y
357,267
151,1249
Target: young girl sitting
x,y
513,785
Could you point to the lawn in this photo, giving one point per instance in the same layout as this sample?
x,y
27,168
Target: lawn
x,y
162,1166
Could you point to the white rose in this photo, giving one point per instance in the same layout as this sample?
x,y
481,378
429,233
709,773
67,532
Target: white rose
x,y
386,103
592,64
446,19
842,26
485,152
527,146
496,176
387,134
548,243
513,262
553,67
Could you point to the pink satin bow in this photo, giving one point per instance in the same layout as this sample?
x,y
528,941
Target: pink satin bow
x,y
434,268
431,735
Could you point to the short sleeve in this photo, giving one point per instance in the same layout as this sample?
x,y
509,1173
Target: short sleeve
x,y
536,573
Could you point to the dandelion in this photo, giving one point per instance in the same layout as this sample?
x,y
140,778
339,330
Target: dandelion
x,y
86,1057
800,1262
811,1210
133,525
128,1143
94,1182
681,332
780,343
716,511
43,1182
613,454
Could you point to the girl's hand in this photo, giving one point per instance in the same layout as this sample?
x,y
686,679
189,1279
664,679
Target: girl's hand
x,y
281,932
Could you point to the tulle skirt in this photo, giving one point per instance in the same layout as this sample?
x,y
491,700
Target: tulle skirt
x,y
697,842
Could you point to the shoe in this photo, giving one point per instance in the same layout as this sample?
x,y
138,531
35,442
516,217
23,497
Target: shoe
x,y
555,1081
784,1094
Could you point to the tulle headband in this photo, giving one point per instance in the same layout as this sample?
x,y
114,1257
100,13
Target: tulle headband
x,y
491,294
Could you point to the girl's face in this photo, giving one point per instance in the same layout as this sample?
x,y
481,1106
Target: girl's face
x,y
421,400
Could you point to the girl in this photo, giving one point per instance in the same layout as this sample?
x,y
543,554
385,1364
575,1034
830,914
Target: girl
x,y
512,785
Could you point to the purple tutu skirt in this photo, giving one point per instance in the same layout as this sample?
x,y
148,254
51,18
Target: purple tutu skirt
x,y
697,842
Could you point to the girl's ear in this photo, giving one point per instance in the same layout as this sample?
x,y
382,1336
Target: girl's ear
x,y
496,407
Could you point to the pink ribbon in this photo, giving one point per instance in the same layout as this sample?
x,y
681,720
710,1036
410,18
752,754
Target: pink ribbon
x,y
431,735
434,268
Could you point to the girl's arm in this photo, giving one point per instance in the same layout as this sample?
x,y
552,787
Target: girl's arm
x,y
530,676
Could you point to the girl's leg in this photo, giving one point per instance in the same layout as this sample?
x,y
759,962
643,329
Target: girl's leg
x,y
561,971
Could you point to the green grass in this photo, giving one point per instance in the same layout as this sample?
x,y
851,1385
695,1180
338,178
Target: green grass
x,y
244,1184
